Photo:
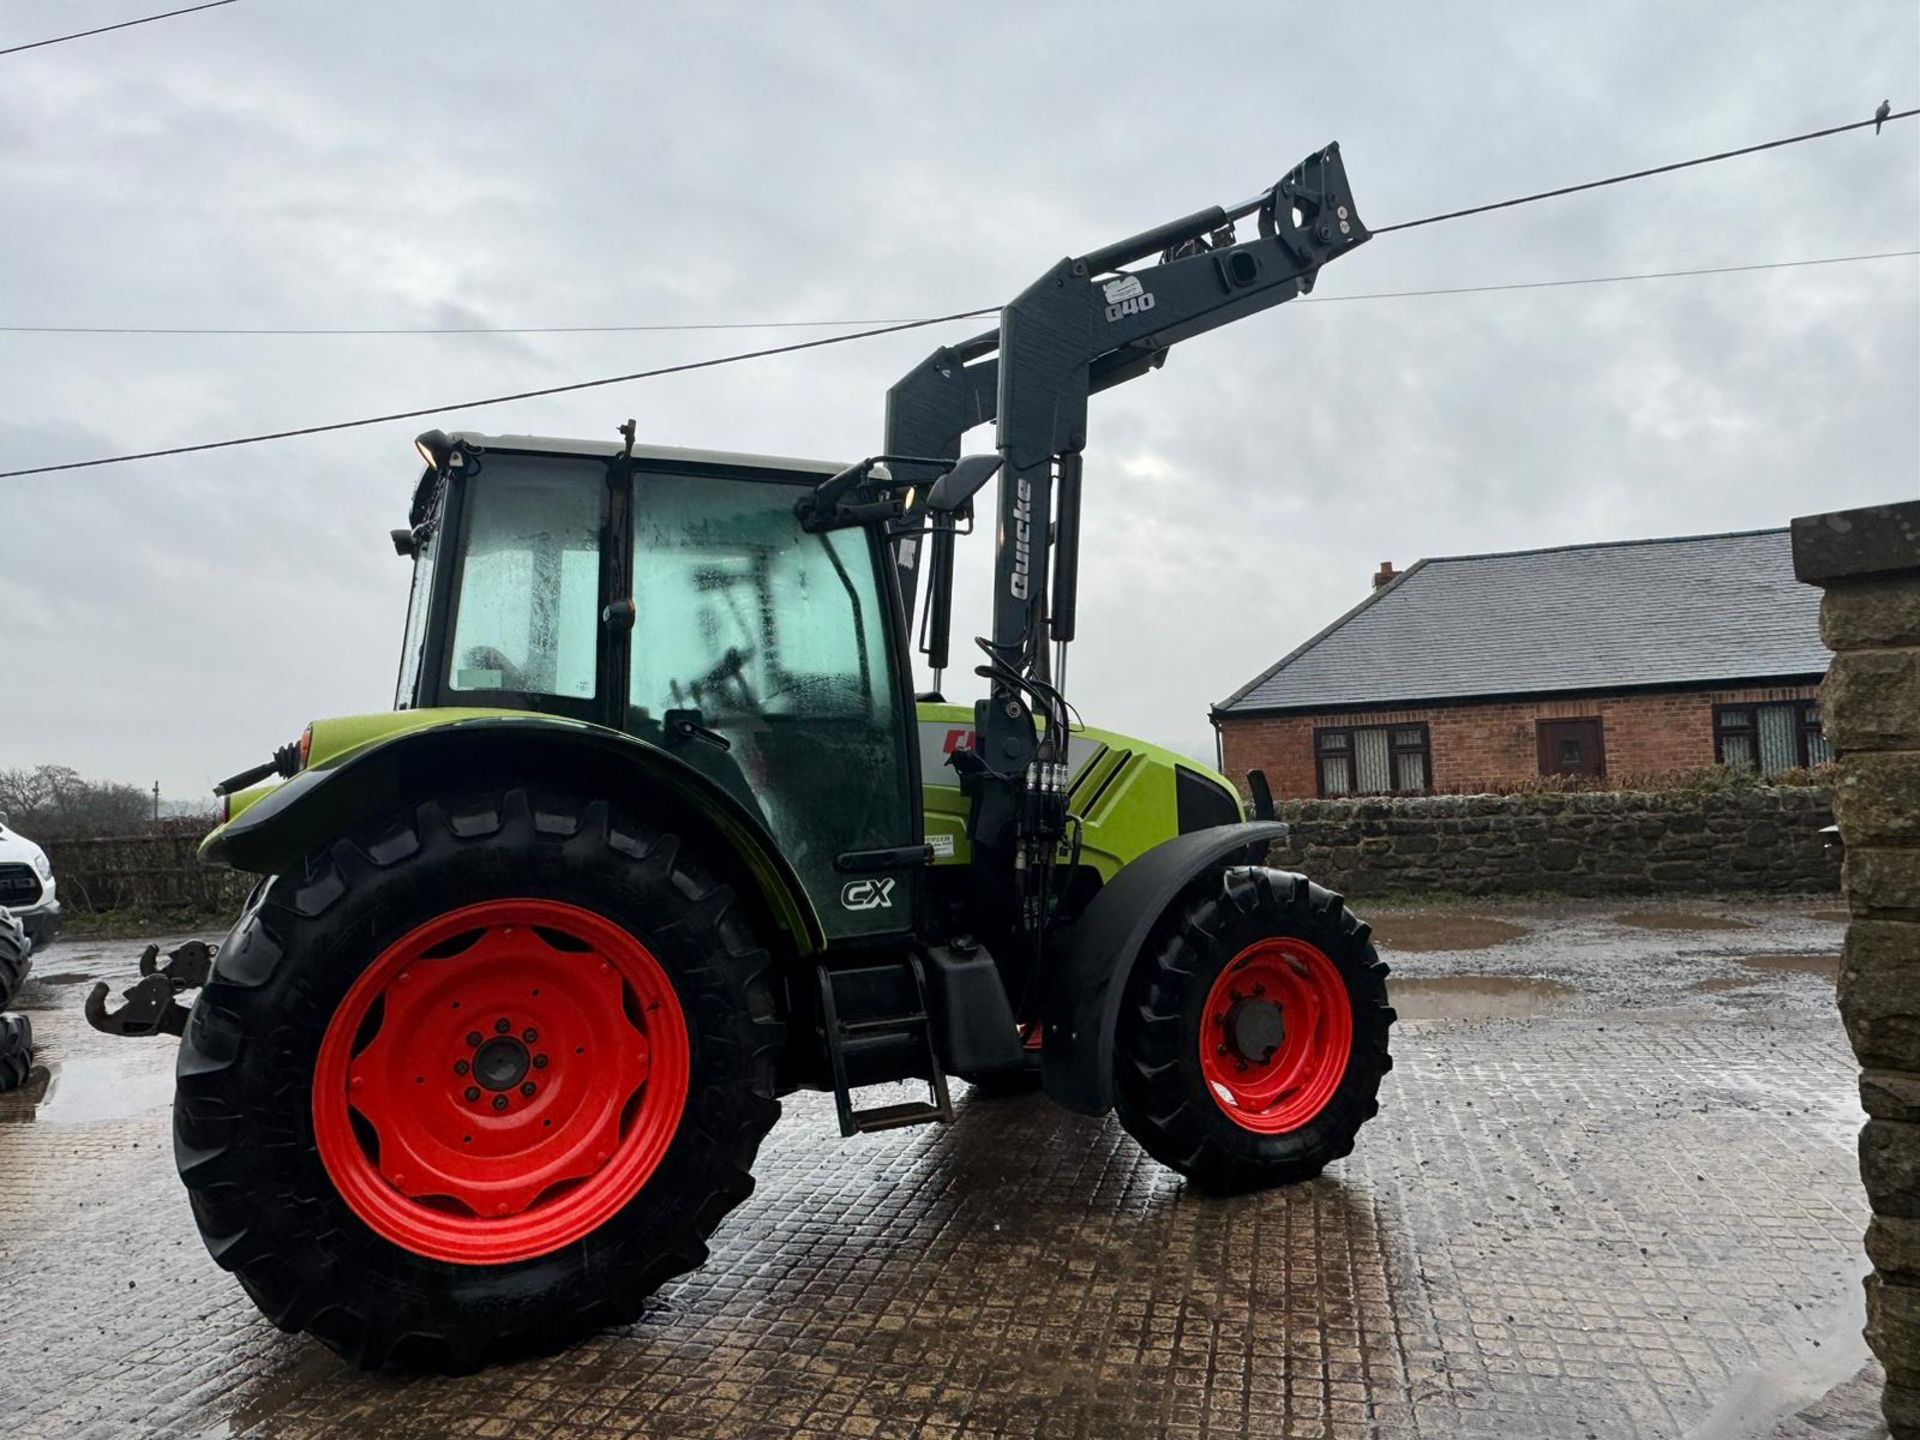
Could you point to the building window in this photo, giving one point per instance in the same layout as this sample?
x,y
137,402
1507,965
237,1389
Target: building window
x,y
1372,760
1770,738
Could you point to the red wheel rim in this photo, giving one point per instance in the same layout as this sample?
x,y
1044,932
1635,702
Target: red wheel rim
x,y
1276,1035
501,1081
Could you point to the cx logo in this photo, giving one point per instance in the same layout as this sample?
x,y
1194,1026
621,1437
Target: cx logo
x,y
867,895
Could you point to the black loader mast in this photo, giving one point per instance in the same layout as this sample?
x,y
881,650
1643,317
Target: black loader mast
x,y
1085,325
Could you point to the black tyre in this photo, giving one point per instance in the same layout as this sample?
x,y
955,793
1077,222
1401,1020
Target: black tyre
x,y
417,1192
1253,1036
16,957
16,1051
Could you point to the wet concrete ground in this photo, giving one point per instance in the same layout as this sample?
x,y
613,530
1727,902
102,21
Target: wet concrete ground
x,y
1611,1192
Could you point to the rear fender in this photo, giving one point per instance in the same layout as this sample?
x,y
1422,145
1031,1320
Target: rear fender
x,y
1087,973
316,806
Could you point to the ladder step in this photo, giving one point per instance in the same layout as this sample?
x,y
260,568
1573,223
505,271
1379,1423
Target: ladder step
x,y
896,1023
878,1030
894,1117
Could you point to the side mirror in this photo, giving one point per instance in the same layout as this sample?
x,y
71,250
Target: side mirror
x,y
960,484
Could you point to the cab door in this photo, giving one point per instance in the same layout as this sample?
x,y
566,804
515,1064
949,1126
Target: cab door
x,y
768,658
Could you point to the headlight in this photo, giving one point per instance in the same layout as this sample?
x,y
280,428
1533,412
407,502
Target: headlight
x,y
43,865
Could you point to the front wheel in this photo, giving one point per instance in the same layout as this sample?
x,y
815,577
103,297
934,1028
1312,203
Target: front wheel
x,y
476,1079
1253,1036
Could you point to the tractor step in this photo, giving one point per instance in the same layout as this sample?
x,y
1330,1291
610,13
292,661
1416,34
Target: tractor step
x,y
877,1032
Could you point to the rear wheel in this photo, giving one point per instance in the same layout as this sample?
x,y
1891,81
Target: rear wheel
x,y
1254,1033
16,1051
15,957
476,1080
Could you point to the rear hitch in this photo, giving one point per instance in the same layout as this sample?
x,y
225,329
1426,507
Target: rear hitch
x,y
148,1006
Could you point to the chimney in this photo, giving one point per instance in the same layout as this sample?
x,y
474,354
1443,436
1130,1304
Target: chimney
x,y
1385,575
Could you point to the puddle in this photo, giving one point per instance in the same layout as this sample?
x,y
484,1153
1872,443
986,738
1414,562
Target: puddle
x,y
1827,964
1678,920
98,1087
1442,932
1841,915
1475,997
71,977
1830,1350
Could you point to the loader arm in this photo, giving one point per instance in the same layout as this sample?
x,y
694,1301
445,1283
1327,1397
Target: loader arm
x,y
1085,325
1064,339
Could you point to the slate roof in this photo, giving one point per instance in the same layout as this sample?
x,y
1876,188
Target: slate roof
x,y
1696,608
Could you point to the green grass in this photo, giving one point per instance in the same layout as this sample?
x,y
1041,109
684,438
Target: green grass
x,y
141,924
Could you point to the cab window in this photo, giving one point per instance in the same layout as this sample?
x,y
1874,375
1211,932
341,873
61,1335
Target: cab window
x,y
526,616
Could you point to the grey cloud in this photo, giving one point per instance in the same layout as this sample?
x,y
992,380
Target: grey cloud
x,y
304,163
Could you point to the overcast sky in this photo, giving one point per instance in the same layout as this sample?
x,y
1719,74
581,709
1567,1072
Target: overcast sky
x,y
294,162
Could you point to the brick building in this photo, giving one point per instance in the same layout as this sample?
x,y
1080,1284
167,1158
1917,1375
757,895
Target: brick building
x,y
1630,659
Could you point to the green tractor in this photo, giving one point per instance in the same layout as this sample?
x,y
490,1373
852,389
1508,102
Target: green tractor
x,y
659,831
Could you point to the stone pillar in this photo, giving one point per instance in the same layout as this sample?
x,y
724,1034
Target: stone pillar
x,y
1868,562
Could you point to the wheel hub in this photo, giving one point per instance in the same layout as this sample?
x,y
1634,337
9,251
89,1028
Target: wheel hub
x,y
1256,1029
501,1063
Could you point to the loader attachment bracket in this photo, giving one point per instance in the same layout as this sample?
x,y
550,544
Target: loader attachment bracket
x,y
148,1006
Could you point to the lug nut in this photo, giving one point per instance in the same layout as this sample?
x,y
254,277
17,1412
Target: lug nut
x,y
460,1067
526,1089
539,1062
529,1035
473,1092
502,1025
473,1039
500,1101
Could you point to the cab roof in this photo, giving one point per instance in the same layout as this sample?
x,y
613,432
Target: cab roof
x,y
665,454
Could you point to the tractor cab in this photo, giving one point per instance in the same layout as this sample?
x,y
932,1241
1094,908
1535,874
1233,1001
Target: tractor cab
x,y
675,595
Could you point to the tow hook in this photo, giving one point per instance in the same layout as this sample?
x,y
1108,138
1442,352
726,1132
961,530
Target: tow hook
x,y
147,1006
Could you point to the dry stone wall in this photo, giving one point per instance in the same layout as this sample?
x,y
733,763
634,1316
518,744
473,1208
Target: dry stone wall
x,y
1574,843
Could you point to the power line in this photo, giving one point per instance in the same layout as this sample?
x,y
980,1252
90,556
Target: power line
x,y
426,410
123,25
735,358
1605,279
429,329
819,324
1643,174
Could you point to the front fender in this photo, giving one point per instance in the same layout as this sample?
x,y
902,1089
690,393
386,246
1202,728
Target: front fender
x,y
1087,977
318,805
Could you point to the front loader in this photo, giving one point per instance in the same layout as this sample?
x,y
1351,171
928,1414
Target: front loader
x,y
660,831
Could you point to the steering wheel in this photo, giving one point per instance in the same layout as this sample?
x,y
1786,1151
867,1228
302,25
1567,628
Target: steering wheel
x,y
730,667
486,657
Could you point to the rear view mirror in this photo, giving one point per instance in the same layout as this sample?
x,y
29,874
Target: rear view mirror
x,y
960,484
